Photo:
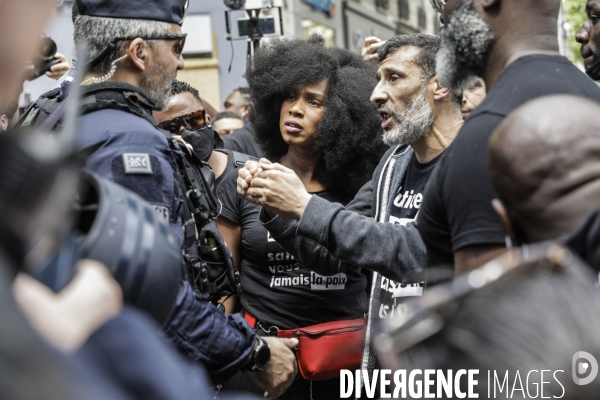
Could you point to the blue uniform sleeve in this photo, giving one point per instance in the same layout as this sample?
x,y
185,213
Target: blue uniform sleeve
x,y
204,334
128,354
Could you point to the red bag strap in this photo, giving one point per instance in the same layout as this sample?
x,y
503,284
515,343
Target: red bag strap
x,y
250,319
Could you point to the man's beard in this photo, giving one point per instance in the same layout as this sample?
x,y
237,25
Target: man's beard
x,y
466,41
157,85
412,123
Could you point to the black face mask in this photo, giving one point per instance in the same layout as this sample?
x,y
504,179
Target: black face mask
x,y
202,140
594,71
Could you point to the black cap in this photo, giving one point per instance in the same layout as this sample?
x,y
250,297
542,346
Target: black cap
x,y
172,11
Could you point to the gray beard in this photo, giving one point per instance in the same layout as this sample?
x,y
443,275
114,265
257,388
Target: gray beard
x,y
158,87
413,123
466,42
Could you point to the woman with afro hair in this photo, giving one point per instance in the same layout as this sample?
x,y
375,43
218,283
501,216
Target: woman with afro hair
x,y
311,113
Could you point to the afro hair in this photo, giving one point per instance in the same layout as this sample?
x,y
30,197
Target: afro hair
x,y
349,134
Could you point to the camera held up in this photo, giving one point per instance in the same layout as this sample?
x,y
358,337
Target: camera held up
x,y
43,57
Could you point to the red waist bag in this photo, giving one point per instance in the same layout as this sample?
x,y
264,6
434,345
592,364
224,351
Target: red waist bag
x,y
327,348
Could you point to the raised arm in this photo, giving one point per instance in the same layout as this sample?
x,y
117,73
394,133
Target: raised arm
x,y
328,237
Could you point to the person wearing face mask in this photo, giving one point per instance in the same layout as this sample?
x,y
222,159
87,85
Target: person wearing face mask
x,y
186,115
132,57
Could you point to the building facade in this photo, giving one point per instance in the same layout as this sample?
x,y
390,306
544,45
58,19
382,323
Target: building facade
x,y
215,65
386,18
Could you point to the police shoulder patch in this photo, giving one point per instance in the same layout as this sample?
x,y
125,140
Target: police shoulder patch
x,y
137,163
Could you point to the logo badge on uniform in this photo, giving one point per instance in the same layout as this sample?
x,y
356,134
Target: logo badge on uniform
x,y
137,163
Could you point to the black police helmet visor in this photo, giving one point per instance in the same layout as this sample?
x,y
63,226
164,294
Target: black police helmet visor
x,y
124,232
172,11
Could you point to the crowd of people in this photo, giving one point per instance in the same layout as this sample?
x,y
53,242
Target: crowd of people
x,y
429,204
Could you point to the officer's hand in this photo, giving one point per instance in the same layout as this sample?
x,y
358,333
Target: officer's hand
x,y
279,190
370,47
282,369
68,318
58,70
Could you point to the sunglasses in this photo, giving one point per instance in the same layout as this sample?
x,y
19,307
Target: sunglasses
x,y
177,47
192,122
438,5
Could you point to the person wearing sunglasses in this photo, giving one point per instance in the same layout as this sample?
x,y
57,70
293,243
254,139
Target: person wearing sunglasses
x,y
132,54
187,117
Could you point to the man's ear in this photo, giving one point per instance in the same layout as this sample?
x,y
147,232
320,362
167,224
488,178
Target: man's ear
x,y
3,122
138,53
504,219
439,92
245,111
487,3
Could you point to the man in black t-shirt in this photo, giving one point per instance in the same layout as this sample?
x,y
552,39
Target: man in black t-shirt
x,y
404,202
511,44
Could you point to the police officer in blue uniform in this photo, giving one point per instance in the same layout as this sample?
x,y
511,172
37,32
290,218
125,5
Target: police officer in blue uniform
x,y
134,52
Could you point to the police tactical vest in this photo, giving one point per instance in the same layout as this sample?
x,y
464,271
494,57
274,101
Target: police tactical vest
x,y
209,264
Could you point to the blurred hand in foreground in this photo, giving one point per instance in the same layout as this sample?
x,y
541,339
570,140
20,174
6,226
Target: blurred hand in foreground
x,y
67,319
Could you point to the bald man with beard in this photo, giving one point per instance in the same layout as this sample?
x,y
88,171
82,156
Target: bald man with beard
x,y
513,46
544,161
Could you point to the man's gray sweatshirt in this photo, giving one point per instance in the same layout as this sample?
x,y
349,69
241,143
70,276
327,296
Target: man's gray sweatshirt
x,y
332,238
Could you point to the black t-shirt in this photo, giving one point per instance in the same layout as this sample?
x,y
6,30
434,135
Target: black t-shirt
x,y
235,160
403,208
242,141
456,211
276,289
228,168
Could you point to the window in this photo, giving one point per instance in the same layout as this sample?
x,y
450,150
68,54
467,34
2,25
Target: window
x,y
385,4
403,9
422,18
198,27
436,23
